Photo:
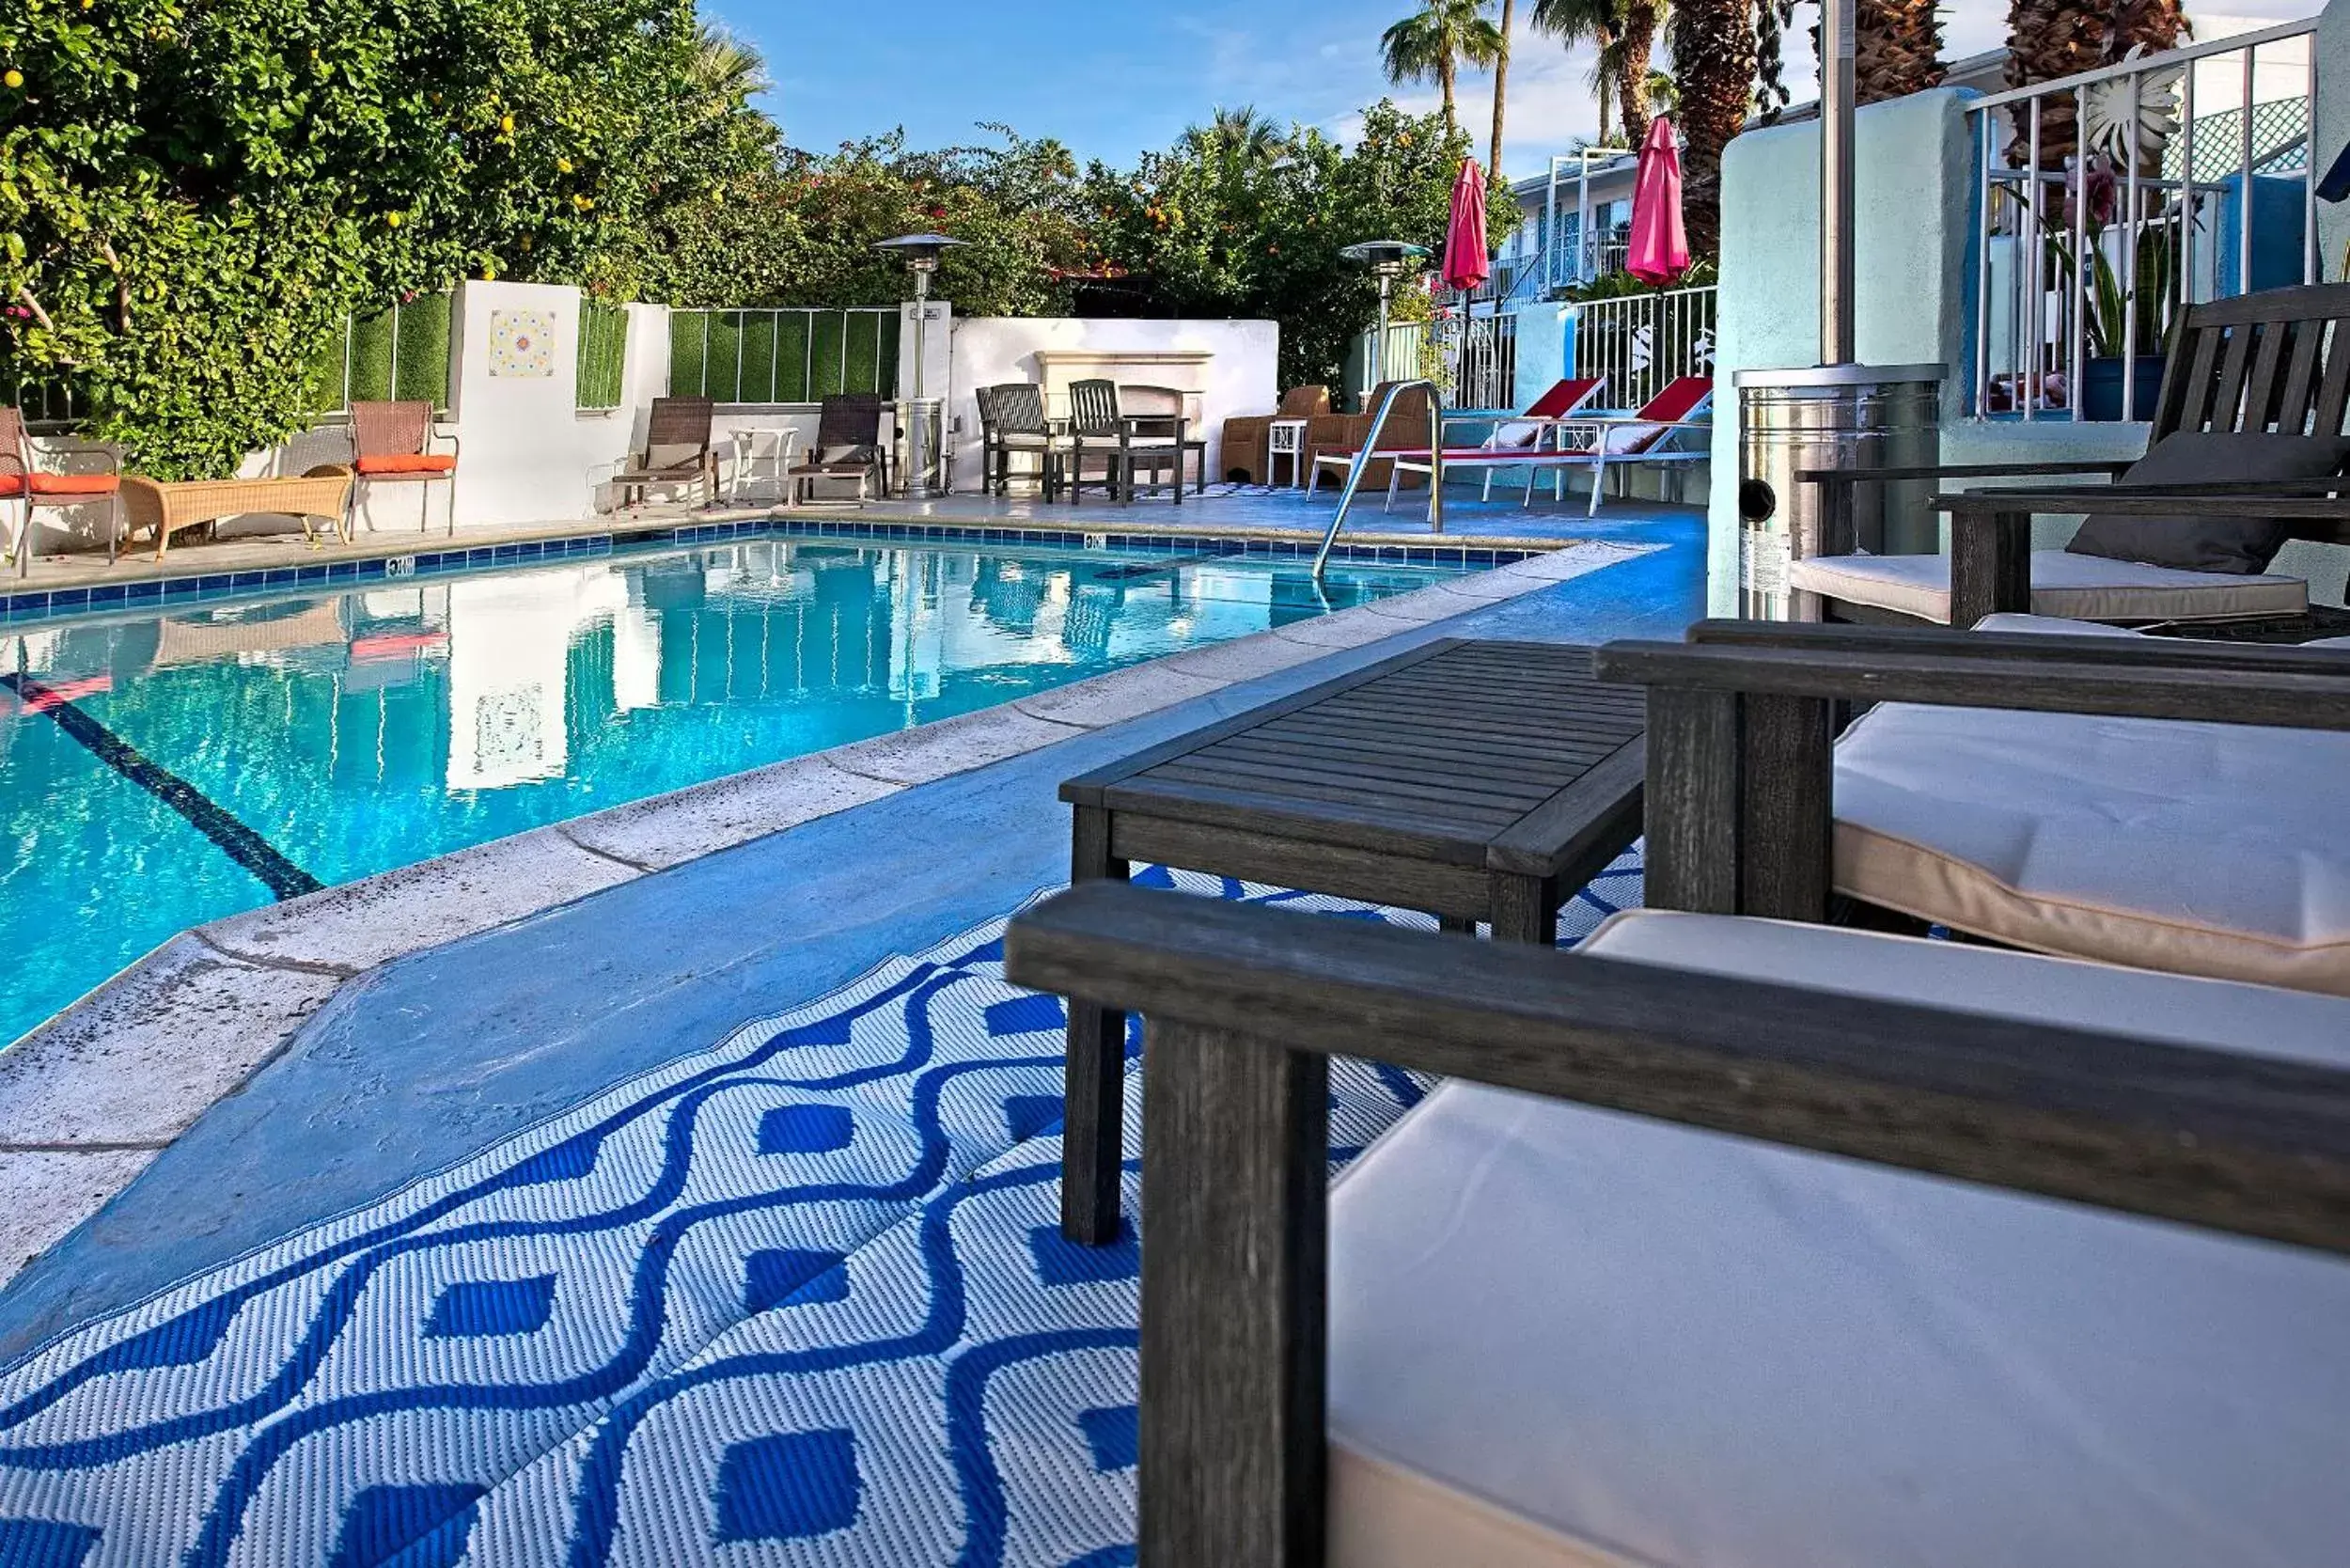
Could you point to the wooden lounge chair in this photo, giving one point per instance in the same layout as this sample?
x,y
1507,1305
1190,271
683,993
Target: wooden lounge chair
x,y
679,450
1012,421
1248,437
848,446
1124,444
1341,435
32,487
392,443
2144,801
1556,1316
2253,397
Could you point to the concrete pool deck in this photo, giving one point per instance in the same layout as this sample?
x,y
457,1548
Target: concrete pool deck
x,y
286,1065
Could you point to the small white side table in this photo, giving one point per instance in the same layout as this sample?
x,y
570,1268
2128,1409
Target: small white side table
x,y
779,440
1287,439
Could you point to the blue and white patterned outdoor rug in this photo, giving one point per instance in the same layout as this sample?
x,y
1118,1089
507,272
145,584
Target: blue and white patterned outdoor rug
x,y
799,1299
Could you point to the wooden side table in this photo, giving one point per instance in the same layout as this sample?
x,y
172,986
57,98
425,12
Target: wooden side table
x,y
1480,781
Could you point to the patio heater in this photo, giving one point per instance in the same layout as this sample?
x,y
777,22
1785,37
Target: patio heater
x,y
921,253
1388,259
1839,414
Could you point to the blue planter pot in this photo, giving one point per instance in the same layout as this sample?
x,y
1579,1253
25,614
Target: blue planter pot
x,y
2101,388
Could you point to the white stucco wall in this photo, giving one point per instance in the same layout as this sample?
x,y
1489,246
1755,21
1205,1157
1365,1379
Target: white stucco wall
x,y
1913,179
1241,376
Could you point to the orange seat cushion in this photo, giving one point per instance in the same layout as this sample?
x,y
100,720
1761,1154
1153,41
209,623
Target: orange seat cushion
x,y
420,464
12,485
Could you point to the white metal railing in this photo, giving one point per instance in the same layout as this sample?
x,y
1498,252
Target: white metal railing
x,y
1640,342
1481,357
2109,201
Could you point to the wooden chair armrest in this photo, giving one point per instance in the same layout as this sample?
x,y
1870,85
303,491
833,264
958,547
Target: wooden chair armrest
x,y
1961,471
1872,642
2269,500
2130,1124
2286,688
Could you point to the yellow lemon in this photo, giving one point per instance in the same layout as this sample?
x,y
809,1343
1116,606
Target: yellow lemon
x,y
506,123
563,165
391,220
11,79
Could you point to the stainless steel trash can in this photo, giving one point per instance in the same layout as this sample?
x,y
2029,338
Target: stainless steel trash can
x,y
1830,416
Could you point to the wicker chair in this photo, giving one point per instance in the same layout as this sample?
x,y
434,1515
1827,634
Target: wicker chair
x,y
1248,437
392,443
848,446
679,450
1407,429
1123,443
32,488
1012,419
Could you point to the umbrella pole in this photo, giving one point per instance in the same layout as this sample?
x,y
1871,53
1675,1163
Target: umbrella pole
x,y
1837,28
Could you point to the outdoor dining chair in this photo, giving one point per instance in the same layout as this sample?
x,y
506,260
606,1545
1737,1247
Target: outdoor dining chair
x,y
394,443
1012,421
2253,399
33,486
1123,444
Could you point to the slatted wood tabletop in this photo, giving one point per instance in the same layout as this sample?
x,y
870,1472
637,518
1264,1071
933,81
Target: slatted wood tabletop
x,y
1480,781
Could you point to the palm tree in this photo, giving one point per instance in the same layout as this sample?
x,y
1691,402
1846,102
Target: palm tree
x,y
726,68
1896,48
1430,45
1501,88
1241,135
1624,34
1714,62
2049,38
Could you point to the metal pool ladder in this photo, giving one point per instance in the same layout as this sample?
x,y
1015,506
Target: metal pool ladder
x,y
1363,460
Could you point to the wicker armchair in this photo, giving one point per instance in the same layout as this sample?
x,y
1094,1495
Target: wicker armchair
x,y
32,488
1248,437
1407,430
392,443
679,450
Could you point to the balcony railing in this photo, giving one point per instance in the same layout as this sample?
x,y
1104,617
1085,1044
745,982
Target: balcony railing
x,y
2109,201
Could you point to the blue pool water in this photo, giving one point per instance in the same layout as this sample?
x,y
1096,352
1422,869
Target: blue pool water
x,y
159,771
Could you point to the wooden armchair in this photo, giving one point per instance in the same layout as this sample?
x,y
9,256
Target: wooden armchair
x,y
2260,383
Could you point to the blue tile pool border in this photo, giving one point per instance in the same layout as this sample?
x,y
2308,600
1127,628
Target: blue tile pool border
x,y
179,592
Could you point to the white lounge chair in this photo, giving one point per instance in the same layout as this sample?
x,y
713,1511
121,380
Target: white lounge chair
x,y
1661,432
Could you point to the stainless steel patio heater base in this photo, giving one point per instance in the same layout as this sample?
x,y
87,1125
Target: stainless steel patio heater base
x,y
1830,416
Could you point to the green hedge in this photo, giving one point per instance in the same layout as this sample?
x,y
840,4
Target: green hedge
x,y
602,355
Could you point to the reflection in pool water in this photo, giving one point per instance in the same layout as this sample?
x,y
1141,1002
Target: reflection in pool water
x,y
348,733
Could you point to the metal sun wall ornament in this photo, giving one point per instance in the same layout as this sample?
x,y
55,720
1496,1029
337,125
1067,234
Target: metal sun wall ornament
x,y
522,344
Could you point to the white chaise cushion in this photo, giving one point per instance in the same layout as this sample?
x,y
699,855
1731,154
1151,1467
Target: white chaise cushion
x,y
2200,849
1561,1336
2052,624
2088,588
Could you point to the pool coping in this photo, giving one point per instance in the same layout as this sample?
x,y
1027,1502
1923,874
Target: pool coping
x,y
90,1098
142,587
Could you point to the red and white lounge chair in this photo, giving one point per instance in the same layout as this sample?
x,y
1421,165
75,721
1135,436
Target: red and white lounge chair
x,y
1657,432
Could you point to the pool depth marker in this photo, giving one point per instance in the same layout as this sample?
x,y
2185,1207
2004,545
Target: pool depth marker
x,y
241,843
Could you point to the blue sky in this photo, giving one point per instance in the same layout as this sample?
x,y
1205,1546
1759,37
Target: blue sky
x,y
1113,77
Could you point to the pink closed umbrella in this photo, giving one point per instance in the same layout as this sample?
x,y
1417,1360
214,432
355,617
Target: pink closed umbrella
x,y
1467,262
1660,245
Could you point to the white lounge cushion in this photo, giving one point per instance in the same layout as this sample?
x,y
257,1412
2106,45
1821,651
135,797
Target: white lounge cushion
x,y
2085,587
2053,624
1565,1337
2203,849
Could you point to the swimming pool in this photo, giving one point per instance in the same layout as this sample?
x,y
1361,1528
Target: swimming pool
x,y
161,770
